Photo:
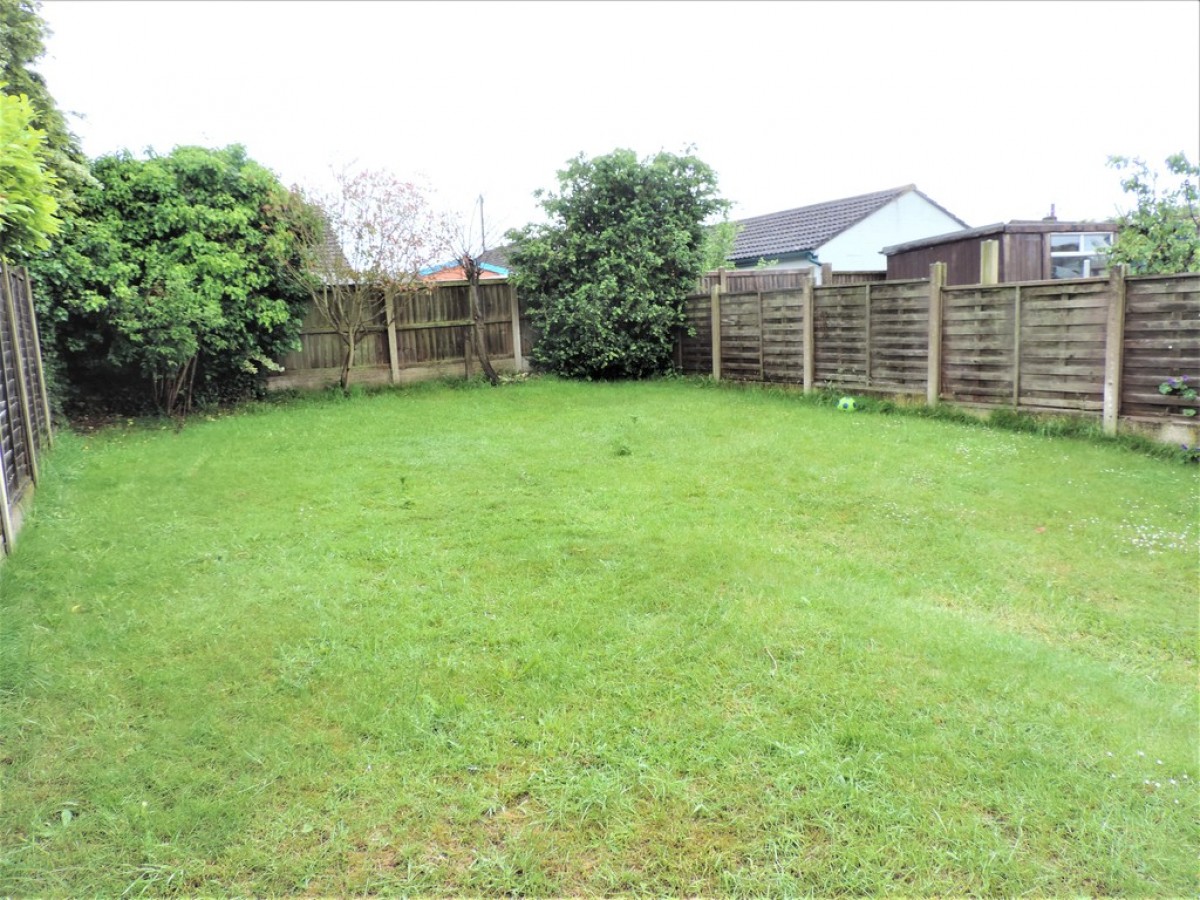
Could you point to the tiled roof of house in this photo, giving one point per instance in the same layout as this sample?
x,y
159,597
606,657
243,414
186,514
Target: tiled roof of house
x,y
335,258
809,227
497,256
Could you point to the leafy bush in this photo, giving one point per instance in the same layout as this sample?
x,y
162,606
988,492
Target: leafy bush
x,y
605,279
169,281
27,209
1162,232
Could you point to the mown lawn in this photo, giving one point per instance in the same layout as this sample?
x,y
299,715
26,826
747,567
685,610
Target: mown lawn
x,y
560,638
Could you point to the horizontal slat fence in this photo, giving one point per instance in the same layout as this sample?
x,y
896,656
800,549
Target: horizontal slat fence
x,y
694,350
841,335
899,336
782,337
1162,335
431,330
979,344
25,428
1095,346
741,335
739,280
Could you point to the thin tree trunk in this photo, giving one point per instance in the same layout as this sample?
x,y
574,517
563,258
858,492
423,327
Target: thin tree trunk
x,y
344,379
479,339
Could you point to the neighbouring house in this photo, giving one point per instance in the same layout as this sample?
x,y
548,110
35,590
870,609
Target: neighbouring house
x,y
452,270
846,233
497,256
1027,251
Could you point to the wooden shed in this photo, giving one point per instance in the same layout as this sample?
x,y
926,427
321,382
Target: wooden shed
x,y
1023,250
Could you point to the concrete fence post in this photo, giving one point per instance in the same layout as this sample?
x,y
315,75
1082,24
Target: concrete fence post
x,y
515,309
989,262
389,299
1114,349
937,280
808,302
716,331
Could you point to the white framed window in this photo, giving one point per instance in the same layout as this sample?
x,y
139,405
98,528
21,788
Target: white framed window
x,y
1078,254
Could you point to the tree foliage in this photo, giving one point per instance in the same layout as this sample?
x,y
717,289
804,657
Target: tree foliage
x,y
22,44
719,241
360,244
171,276
27,209
605,279
1161,234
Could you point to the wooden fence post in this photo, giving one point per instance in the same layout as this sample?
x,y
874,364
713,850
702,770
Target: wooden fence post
x,y
1016,375
6,524
19,361
515,309
715,294
41,369
937,280
389,299
809,306
989,262
1114,349
762,356
867,336
826,274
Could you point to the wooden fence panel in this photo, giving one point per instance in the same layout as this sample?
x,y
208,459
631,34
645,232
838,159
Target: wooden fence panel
x,y
1062,343
530,334
741,336
13,446
31,355
1042,346
783,336
695,350
899,329
840,338
24,410
431,329
849,277
979,344
738,281
1162,340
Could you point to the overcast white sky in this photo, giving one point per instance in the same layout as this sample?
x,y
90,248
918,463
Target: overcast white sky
x,y
993,109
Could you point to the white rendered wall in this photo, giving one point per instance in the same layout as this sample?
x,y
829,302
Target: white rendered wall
x,y
907,218
780,264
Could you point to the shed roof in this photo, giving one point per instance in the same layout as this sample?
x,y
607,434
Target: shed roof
x,y
1016,226
810,227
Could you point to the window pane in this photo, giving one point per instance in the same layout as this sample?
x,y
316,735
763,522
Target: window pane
x,y
1097,266
1068,267
1096,241
1067,242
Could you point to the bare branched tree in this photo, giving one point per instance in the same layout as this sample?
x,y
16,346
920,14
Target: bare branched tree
x,y
362,244
467,250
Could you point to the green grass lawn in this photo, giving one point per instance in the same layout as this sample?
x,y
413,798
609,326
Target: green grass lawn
x,y
561,638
